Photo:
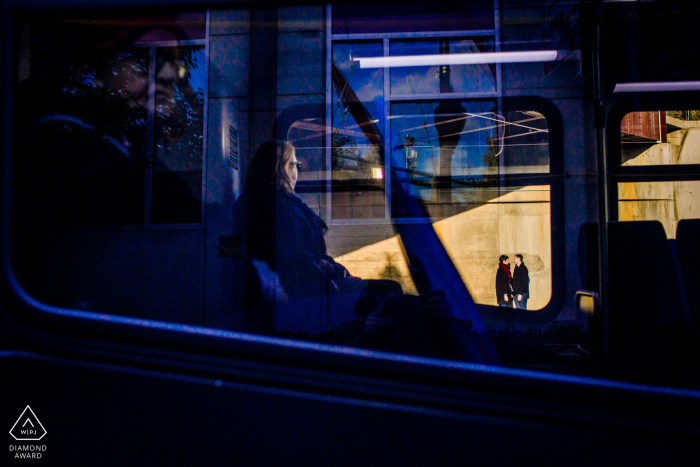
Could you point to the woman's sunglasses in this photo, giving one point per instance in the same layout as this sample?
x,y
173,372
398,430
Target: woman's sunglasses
x,y
298,164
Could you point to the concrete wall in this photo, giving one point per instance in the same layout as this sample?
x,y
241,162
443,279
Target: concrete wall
x,y
667,202
517,222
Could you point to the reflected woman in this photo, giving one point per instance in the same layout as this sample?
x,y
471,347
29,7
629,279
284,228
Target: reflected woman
x,y
282,231
288,237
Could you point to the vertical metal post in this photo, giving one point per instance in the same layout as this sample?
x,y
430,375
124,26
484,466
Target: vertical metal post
x,y
499,94
387,133
329,116
150,140
205,150
262,108
603,197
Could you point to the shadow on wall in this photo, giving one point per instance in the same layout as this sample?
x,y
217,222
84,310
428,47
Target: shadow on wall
x,y
381,260
516,222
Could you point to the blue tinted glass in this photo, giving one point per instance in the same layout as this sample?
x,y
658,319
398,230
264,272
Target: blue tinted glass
x,y
412,17
179,126
365,83
525,142
442,79
463,131
357,147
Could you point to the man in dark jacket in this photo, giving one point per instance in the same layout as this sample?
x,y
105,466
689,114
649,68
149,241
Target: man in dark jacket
x,y
503,282
521,283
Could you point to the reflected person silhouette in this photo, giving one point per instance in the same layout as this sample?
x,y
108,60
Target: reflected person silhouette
x,y
81,155
288,236
283,231
83,133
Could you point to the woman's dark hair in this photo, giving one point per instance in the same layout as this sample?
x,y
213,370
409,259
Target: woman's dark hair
x,y
502,258
267,167
262,167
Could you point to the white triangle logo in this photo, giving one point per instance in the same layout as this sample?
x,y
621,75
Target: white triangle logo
x,y
28,427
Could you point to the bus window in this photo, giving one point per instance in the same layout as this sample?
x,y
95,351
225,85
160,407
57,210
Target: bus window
x,y
209,169
109,161
664,137
666,202
445,79
659,138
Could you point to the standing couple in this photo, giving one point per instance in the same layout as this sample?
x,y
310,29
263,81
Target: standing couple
x,y
512,288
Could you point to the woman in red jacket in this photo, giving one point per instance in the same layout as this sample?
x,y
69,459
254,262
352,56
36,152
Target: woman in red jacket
x,y
504,281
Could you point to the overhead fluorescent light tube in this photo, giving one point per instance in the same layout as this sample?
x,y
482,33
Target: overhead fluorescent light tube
x,y
658,86
458,59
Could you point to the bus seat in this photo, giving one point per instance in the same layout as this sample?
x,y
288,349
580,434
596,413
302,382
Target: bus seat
x,y
646,317
688,252
647,330
271,310
588,256
641,263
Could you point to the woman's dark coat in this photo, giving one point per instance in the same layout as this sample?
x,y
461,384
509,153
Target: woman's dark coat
x,y
286,234
502,286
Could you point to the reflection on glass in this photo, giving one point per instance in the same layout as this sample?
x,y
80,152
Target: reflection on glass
x,y
270,259
309,139
661,137
440,147
442,79
442,150
357,150
411,17
525,143
490,223
177,161
448,138
86,132
666,202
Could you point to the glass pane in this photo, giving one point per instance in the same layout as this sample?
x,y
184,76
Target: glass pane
x,y
495,222
412,17
284,144
442,150
666,202
179,120
491,222
525,143
82,139
438,148
442,79
357,154
666,137
462,132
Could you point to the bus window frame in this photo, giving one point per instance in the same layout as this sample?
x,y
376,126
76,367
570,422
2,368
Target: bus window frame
x,y
470,392
49,327
494,314
617,173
